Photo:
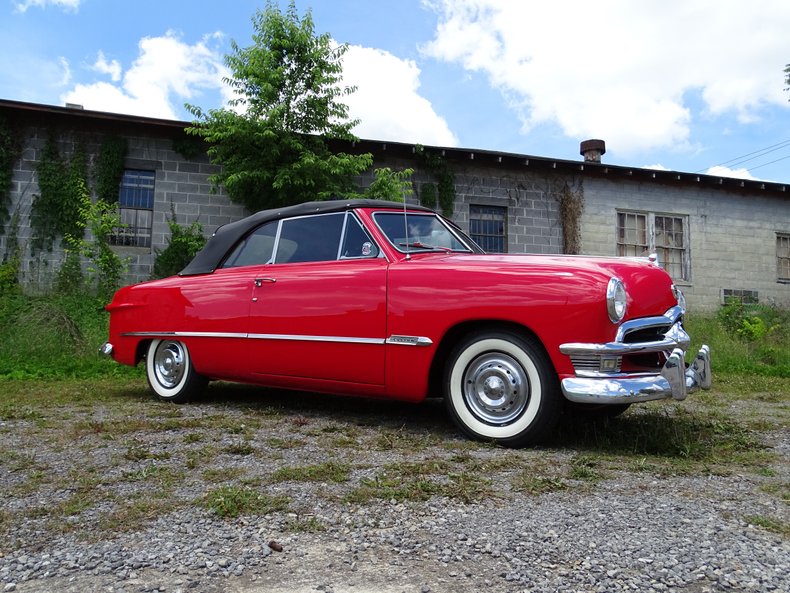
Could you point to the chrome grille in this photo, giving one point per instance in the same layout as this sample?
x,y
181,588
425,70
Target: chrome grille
x,y
646,334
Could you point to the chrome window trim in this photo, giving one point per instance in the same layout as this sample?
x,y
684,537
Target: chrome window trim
x,y
459,238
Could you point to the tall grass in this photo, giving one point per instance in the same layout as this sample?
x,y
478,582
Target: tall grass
x,y
53,337
59,336
745,339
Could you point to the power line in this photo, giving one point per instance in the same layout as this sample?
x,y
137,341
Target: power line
x,y
751,156
770,163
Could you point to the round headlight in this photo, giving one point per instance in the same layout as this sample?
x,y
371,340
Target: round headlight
x,y
679,297
616,300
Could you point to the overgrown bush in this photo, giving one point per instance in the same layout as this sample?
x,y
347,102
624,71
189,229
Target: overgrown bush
x,y
746,338
54,336
182,246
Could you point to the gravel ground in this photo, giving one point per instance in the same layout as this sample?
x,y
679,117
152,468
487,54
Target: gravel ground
x,y
110,496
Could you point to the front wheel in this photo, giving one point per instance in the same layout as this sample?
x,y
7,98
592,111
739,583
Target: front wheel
x,y
169,370
501,386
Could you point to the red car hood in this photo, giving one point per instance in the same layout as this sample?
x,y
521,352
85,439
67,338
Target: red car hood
x,y
648,286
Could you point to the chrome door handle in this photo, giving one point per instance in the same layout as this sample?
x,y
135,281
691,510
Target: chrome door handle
x,y
259,281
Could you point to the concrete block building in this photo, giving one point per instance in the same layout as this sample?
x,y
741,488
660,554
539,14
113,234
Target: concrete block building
x,y
716,236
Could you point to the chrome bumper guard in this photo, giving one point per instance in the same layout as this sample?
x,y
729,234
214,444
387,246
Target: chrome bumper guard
x,y
675,379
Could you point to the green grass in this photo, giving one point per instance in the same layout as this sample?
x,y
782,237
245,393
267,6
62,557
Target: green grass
x,y
331,471
64,396
745,339
232,501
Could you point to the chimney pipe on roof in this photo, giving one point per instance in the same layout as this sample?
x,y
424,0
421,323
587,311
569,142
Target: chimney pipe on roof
x,y
592,150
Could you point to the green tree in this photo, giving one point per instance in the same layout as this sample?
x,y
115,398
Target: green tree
x,y
390,185
273,142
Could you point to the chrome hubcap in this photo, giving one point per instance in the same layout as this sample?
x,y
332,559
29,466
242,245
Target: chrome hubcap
x,y
169,364
496,388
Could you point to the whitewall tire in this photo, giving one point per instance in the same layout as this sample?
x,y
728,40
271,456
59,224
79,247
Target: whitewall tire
x,y
169,370
500,386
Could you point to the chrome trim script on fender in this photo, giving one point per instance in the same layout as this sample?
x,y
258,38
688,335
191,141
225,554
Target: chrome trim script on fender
x,y
409,341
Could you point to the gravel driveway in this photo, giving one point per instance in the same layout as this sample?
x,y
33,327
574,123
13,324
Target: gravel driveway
x,y
256,490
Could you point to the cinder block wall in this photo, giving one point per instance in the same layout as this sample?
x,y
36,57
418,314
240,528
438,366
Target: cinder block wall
x,y
733,236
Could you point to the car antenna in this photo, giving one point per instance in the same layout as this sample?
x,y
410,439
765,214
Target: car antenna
x,y
406,227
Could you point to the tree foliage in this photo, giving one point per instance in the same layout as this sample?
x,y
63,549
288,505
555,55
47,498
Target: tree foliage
x,y
9,152
273,142
391,185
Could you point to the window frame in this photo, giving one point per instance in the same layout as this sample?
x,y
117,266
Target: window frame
x,y
235,253
782,260
130,235
503,237
651,239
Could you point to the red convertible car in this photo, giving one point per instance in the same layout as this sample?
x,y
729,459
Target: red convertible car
x,y
380,299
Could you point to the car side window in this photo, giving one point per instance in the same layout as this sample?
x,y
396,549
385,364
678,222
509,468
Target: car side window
x,y
315,238
256,249
356,241
304,239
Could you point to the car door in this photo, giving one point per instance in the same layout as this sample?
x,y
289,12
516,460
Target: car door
x,y
318,309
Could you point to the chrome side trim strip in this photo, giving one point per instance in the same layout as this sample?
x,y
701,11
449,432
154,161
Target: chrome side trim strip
x,y
289,337
409,341
299,338
392,340
185,334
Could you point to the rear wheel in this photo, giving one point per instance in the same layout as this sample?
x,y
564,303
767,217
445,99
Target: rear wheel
x,y
501,386
169,370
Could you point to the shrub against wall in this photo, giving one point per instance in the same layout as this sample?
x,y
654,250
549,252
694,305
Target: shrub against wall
x,y
182,246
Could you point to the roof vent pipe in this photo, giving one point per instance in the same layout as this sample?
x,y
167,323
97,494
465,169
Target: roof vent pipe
x,y
592,150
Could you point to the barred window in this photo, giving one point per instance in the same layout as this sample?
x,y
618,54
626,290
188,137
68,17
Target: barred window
x,y
783,257
641,233
136,202
488,227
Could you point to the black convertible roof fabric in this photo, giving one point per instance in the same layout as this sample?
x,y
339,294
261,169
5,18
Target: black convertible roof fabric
x,y
226,236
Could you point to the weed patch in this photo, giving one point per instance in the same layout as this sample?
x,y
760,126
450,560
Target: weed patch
x,y
232,501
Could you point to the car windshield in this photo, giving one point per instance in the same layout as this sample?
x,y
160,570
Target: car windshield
x,y
418,232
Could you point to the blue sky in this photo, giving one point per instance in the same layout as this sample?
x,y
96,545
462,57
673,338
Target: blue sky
x,y
686,85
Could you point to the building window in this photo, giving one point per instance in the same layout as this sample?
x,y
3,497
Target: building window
x,y
136,202
640,234
739,295
783,257
488,227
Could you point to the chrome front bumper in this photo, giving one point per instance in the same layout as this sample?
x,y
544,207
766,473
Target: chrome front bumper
x,y
674,380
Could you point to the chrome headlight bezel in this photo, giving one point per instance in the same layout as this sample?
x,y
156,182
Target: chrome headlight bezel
x,y
616,300
679,297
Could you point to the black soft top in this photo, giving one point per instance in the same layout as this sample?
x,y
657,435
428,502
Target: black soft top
x,y
226,236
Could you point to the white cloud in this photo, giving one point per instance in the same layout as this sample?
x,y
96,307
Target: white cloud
x,y
387,101
67,5
720,171
112,68
621,70
166,72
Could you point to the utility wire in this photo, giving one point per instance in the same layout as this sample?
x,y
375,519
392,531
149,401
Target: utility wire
x,y
751,156
770,163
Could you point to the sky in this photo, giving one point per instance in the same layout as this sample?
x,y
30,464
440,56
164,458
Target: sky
x,y
682,85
